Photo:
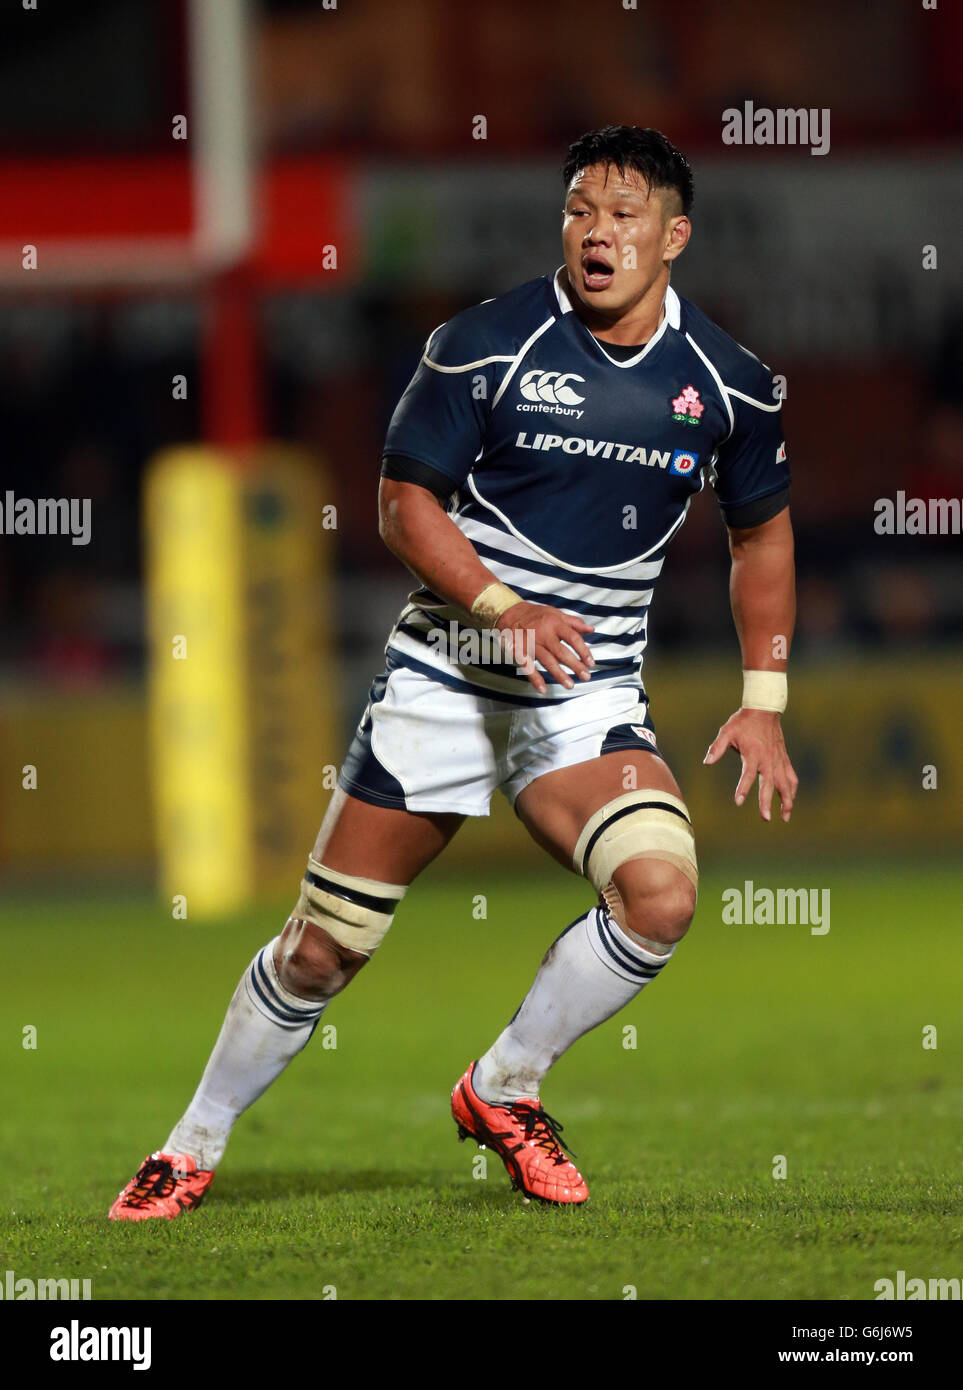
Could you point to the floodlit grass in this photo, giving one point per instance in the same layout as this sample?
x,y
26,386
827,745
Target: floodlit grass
x,y
757,1041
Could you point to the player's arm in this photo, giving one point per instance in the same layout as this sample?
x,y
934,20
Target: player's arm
x,y
416,528
763,595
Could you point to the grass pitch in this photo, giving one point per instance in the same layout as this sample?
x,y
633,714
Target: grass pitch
x,y
757,1041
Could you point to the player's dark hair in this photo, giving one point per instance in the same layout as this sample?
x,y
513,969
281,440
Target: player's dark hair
x,y
645,151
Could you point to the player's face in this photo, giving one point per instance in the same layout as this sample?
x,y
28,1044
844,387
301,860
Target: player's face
x,y
619,238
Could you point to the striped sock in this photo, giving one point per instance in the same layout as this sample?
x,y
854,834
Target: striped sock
x,y
265,1027
586,976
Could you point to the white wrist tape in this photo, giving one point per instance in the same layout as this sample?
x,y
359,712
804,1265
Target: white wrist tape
x,y
492,602
767,690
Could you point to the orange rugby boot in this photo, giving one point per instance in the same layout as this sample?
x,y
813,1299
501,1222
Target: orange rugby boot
x,y
165,1185
526,1139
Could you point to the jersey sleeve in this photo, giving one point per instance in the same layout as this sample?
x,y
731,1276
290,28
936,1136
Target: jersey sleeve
x,y
442,417
406,470
752,463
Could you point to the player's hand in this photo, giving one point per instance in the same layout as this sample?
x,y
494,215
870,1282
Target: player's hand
x,y
756,735
536,632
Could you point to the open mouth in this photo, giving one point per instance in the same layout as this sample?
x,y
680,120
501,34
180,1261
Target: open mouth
x,y
597,273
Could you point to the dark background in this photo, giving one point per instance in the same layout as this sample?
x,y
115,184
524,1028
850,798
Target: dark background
x,y
815,263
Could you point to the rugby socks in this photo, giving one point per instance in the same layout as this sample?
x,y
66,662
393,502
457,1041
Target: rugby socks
x,y
586,976
264,1028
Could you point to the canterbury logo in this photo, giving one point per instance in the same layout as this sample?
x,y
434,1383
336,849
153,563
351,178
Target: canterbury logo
x,y
550,387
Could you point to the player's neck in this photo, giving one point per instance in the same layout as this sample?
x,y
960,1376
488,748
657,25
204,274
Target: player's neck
x,y
634,328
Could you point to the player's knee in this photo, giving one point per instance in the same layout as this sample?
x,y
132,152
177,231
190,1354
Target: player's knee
x,y
638,851
338,922
310,964
658,901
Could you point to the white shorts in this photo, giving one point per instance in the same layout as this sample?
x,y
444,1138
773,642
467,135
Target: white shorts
x,y
426,746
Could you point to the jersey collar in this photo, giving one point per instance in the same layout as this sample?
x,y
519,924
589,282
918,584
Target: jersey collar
x,y
672,318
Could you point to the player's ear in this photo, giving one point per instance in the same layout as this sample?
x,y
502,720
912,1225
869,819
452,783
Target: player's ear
x,y
677,233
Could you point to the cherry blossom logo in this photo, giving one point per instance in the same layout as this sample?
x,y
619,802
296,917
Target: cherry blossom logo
x,y
687,408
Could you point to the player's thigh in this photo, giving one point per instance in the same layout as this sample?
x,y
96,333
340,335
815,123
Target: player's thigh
x,y
555,807
379,842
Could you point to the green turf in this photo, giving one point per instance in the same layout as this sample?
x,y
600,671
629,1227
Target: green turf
x,y
757,1041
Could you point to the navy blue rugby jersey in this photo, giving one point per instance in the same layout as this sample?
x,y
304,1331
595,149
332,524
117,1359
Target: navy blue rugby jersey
x,y
571,467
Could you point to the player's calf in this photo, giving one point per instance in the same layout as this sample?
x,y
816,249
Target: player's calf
x,y
638,852
337,924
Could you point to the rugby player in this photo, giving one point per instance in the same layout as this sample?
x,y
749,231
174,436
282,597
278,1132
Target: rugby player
x,y
535,469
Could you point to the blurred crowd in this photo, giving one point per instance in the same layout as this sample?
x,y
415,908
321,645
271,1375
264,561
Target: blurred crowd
x,y
86,400
85,382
